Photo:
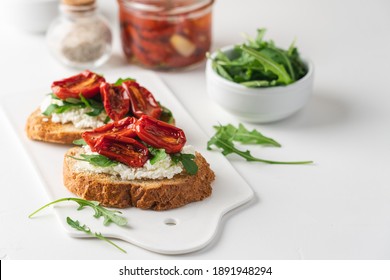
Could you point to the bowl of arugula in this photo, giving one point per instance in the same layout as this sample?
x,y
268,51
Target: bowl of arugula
x,y
258,81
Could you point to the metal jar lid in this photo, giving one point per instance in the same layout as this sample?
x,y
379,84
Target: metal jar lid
x,y
166,7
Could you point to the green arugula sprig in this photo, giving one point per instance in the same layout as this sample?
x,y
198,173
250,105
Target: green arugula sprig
x,y
96,107
79,142
244,136
76,225
157,154
226,135
166,115
100,211
188,162
120,81
96,160
260,63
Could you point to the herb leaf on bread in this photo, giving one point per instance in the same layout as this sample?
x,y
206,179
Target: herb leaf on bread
x,y
100,211
120,81
158,154
166,115
70,103
188,162
97,160
80,142
87,230
97,107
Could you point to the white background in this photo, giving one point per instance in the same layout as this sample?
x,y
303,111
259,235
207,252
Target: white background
x,y
336,209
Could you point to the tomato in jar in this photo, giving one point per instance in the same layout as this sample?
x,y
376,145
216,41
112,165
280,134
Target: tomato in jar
x,y
165,35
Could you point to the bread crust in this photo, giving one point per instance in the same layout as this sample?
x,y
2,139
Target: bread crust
x,y
41,128
162,194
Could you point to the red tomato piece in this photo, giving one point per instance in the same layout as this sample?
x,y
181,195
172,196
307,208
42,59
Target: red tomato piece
x,y
143,57
160,134
87,83
123,149
124,127
142,100
116,100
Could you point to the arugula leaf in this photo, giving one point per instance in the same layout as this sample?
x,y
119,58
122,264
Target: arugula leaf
x,y
257,83
223,139
97,107
50,110
53,96
188,162
269,65
166,115
158,154
280,57
100,211
96,160
76,225
80,142
120,81
244,136
95,112
69,103
291,48
222,71
72,100
83,100
253,137
107,120
63,108
260,36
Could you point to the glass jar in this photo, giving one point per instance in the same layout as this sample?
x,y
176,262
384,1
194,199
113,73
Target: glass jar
x,y
165,34
80,37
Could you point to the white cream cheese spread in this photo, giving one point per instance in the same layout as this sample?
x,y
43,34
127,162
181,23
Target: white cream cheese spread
x,y
164,168
76,116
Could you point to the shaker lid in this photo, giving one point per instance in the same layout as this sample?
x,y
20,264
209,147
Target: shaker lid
x,y
168,7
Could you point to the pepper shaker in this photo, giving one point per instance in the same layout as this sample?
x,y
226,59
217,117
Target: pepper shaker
x,y
80,37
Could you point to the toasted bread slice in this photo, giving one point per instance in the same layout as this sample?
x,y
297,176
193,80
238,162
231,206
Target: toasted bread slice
x,y
41,128
160,194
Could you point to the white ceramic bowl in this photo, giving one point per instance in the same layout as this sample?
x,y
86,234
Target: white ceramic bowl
x,y
258,105
32,15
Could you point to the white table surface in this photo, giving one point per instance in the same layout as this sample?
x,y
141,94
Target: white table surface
x,y
338,208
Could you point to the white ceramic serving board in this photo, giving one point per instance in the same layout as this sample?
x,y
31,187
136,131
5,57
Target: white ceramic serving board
x,y
176,231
